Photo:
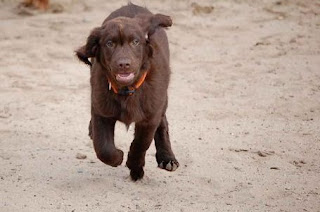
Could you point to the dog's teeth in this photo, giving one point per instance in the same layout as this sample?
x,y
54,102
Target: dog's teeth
x,y
109,86
168,167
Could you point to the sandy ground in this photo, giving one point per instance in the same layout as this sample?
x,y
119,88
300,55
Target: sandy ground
x,y
244,110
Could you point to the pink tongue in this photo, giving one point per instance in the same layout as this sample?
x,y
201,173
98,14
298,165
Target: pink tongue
x,y
125,77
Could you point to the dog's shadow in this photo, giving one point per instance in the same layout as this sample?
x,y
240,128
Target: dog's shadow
x,y
103,179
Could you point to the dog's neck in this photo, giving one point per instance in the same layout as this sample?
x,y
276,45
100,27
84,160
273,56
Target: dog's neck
x,y
127,90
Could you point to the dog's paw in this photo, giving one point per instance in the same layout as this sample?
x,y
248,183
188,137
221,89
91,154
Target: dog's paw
x,y
111,158
118,158
136,174
170,165
167,161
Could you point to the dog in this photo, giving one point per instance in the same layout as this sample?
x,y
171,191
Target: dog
x,y
128,57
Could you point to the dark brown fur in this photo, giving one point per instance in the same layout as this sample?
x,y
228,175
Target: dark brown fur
x,y
147,106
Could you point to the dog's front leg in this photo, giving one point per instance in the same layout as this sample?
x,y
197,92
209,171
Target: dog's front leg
x,y
103,140
143,136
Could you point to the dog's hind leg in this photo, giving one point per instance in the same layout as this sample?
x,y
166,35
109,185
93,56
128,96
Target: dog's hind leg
x,y
165,157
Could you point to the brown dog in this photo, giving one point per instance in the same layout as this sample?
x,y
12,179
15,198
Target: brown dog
x,y
129,80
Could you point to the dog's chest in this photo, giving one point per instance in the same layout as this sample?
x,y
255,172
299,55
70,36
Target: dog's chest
x,y
131,110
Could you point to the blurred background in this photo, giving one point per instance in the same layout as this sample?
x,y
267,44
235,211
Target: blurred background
x,y
244,109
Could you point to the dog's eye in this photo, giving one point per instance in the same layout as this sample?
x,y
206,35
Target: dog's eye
x,y
135,42
110,44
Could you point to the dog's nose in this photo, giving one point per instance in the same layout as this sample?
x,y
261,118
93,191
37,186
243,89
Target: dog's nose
x,y
124,63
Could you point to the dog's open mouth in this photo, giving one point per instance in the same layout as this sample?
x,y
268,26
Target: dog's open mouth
x,y
125,77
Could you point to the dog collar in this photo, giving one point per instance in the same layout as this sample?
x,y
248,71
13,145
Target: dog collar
x,y
127,90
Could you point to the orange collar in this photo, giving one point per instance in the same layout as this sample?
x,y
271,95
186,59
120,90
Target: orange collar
x,y
128,90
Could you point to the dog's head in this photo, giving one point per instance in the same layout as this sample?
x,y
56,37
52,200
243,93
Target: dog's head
x,y
122,47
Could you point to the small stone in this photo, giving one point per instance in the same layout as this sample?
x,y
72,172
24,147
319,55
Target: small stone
x,y
302,161
262,154
275,168
293,40
81,156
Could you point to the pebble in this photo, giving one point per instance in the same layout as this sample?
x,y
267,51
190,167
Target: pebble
x,y
81,156
274,167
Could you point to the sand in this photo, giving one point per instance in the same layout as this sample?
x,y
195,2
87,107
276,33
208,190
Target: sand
x,y
244,110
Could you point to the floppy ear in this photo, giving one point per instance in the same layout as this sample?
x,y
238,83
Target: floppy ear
x,y
158,20
150,23
91,48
